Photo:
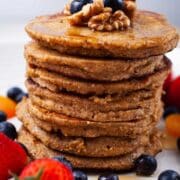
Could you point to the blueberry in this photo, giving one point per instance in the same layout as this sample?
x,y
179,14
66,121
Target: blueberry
x,y
8,129
114,4
108,177
170,110
169,175
3,116
118,4
20,97
145,165
79,175
77,5
24,147
13,92
63,160
178,144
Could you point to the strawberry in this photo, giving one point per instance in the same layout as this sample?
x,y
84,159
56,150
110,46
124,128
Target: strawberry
x,y
13,158
173,94
167,82
46,169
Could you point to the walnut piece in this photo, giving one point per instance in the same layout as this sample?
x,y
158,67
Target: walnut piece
x,y
100,18
108,21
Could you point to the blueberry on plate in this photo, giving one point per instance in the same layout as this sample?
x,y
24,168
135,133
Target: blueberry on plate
x,y
8,129
145,165
178,144
3,116
170,110
77,5
169,175
63,160
79,175
20,97
13,92
108,177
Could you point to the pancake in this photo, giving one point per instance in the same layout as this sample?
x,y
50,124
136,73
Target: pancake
x,y
89,147
38,150
96,109
91,68
97,116
99,88
150,35
69,126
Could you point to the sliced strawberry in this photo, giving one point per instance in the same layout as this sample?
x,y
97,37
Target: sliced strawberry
x,y
47,169
13,158
173,94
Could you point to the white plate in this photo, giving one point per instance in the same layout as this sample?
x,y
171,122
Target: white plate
x,y
12,70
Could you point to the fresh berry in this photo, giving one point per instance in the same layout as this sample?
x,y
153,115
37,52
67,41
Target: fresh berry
x,y
145,165
114,4
13,92
12,157
79,175
170,110
167,82
8,129
3,116
108,3
20,97
63,160
23,146
173,95
169,175
77,5
178,144
51,169
108,177
173,125
7,106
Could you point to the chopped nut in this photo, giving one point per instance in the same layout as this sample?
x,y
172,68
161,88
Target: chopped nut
x,y
130,8
108,21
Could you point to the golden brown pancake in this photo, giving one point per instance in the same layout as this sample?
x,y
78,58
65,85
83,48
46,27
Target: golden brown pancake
x,y
97,116
150,35
101,69
115,108
58,82
38,150
89,147
81,128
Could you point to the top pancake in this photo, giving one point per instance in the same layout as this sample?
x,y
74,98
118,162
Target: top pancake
x,y
151,34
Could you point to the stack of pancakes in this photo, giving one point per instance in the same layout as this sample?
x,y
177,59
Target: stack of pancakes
x,y
95,97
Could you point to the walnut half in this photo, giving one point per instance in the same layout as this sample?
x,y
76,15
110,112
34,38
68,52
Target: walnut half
x,y
108,21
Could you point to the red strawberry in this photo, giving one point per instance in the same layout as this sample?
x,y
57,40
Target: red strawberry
x,y
167,82
173,94
46,169
13,158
